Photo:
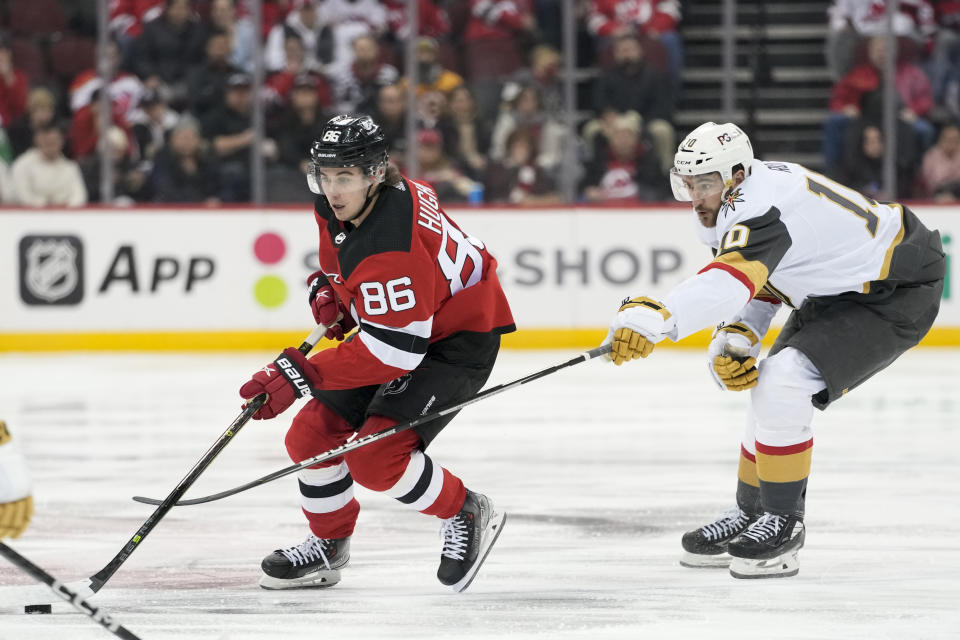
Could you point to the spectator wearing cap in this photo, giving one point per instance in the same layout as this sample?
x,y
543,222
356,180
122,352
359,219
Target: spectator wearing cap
x,y
239,29
43,176
152,124
633,84
473,134
14,87
231,135
438,170
279,84
183,171
170,45
356,87
431,74
624,166
206,83
303,22
517,179
41,112
125,88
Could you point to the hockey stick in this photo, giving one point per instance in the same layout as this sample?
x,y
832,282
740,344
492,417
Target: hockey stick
x,y
98,579
74,598
380,435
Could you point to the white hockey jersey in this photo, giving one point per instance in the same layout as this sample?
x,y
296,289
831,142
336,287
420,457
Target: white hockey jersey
x,y
790,233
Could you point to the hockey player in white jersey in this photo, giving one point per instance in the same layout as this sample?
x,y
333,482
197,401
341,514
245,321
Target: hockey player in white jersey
x,y
864,280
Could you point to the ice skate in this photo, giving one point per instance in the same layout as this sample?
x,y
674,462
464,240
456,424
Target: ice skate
x,y
467,539
316,562
768,548
707,545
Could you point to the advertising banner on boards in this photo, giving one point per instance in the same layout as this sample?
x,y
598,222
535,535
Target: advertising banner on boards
x,y
245,269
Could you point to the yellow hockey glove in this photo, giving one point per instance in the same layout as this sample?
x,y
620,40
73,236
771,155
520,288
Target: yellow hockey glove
x,y
15,517
639,325
734,349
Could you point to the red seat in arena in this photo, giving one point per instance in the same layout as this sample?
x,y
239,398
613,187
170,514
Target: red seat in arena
x,y
37,17
28,57
72,55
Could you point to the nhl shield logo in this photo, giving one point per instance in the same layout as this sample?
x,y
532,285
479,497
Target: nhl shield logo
x,y
340,238
51,270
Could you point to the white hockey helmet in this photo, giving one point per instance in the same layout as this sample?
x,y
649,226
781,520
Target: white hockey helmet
x,y
709,148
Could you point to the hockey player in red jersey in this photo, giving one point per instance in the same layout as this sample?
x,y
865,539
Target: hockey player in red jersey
x,y
429,312
864,280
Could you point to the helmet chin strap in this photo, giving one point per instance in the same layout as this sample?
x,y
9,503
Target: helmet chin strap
x,y
366,202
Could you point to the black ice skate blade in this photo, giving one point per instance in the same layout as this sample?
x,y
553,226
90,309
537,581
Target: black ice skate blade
x,y
466,580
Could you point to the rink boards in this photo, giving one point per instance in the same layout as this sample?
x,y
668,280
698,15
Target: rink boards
x,y
156,278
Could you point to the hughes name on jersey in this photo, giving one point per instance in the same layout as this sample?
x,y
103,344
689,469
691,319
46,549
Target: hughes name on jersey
x,y
788,234
410,277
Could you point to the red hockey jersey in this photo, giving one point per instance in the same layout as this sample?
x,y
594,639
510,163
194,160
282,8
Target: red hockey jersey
x,y
410,277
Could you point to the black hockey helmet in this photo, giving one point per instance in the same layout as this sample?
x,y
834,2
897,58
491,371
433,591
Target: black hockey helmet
x,y
348,141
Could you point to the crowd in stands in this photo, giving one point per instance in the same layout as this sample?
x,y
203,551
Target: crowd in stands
x,y
489,102
927,93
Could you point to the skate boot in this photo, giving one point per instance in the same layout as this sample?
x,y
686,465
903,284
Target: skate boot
x,y
707,546
768,548
467,539
316,562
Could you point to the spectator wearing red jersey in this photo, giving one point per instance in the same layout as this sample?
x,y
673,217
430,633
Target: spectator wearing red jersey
x,y
125,90
126,19
859,94
85,128
852,21
14,86
652,19
431,18
624,165
494,36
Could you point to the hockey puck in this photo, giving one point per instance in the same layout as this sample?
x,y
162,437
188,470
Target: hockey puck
x,y
38,608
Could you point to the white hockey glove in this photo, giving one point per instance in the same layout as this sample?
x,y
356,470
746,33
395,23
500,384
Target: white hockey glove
x,y
732,356
639,325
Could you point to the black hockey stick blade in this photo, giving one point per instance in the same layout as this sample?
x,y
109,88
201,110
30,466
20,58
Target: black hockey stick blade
x,y
380,435
63,591
98,579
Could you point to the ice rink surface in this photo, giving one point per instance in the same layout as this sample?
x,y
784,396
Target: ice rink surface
x,y
600,469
